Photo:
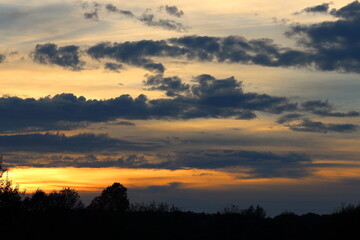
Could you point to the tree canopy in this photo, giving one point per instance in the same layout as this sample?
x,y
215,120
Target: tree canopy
x,y
112,198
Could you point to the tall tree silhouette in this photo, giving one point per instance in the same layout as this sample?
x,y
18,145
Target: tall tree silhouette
x,y
67,198
10,196
112,198
2,170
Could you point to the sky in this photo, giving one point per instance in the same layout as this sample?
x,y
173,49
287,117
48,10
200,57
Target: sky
x,y
201,105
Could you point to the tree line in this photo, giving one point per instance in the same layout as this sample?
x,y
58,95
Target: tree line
x,y
62,215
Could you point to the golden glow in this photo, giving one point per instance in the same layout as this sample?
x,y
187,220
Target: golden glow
x,y
96,179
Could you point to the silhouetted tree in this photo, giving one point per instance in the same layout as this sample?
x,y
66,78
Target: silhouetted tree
x,y
154,207
2,170
112,198
67,198
10,196
38,201
251,211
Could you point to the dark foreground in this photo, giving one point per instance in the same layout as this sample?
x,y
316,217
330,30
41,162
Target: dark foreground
x,y
62,215
175,224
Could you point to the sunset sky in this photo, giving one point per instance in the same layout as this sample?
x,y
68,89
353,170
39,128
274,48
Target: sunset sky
x,y
198,103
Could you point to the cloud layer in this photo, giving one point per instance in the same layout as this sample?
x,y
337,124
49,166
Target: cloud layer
x,y
208,97
80,143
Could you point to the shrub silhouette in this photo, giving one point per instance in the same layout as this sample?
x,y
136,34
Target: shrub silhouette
x,y
2,170
67,198
251,211
10,196
39,201
112,198
348,209
161,207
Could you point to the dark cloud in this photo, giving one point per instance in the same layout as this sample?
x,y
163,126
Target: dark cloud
x,y
232,49
66,56
113,66
257,164
252,164
92,15
172,85
350,11
132,53
92,8
322,8
289,118
228,49
224,93
320,108
333,45
49,159
112,8
319,127
173,10
124,123
149,19
324,108
66,111
318,8
208,97
86,142
328,47
163,188
2,58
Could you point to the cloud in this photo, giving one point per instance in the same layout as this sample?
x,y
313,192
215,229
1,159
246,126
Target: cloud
x,y
115,67
318,8
112,8
321,8
162,188
173,11
2,58
288,118
147,17
232,49
228,92
320,108
172,85
67,56
124,123
92,15
319,127
257,164
333,45
350,11
323,108
328,46
208,97
132,53
66,111
56,159
80,143
44,152
92,8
